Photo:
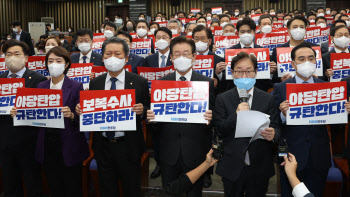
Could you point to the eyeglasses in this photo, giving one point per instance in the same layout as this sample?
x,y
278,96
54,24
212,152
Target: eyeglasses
x,y
248,73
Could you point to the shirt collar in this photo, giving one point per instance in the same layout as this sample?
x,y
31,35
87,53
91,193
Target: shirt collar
x,y
187,76
87,55
19,73
19,32
242,45
339,51
166,54
299,80
205,53
120,77
58,86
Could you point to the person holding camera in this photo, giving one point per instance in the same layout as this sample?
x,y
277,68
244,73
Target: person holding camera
x,y
245,174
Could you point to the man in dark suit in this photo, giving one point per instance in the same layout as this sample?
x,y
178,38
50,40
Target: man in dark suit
x,y
118,154
296,30
21,35
184,145
309,144
17,144
84,42
133,60
239,174
340,46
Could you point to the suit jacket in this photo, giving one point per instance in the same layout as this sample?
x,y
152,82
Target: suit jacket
x,y
25,37
96,58
347,152
135,61
324,47
224,85
134,139
309,144
19,137
153,61
217,59
189,140
260,151
326,60
273,58
74,145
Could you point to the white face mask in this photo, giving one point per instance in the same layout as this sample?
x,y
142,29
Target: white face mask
x,y
272,13
342,42
48,48
102,30
84,47
320,14
209,18
347,23
8,38
62,41
236,13
162,44
174,31
114,64
285,23
328,12
229,34
203,24
14,64
312,21
298,34
153,30
223,24
158,21
322,25
69,30
189,33
182,64
141,32
108,33
240,19
56,69
246,38
141,19
201,46
15,30
306,69
266,29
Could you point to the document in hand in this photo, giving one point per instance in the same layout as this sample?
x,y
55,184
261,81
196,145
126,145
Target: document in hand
x,y
251,123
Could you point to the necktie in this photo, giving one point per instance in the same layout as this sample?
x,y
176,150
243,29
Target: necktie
x,y
247,47
84,59
162,65
13,76
110,135
182,78
343,52
305,82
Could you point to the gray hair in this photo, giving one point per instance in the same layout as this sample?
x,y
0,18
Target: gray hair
x,y
115,40
229,24
189,24
175,21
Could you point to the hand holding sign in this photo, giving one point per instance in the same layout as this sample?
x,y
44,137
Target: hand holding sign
x,y
286,76
221,66
347,106
273,67
150,115
78,110
67,113
329,73
137,108
13,112
284,106
208,115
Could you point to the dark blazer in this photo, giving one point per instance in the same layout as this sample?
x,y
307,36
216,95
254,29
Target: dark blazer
x,y
74,145
153,61
19,137
326,60
96,58
25,37
347,152
217,59
134,139
189,139
260,151
324,47
135,61
273,58
309,144
224,85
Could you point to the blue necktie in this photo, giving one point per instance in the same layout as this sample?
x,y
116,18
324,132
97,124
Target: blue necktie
x,y
163,61
305,82
182,78
110,135
84,59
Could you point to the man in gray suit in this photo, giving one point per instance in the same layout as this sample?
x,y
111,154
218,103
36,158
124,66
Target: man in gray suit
x,y
84,39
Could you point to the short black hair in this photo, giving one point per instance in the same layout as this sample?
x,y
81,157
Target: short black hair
x,y
334,29
200,18
154,23
43,36
246,21
84,31
297,18
126,34
302,45
310,14
116,40
16,23
320,9
47,25
166,30
224,15
200,13
338,21
182,39
61,36
244,55
111,24
142,14
320,17
214,21
60,52
13,42
264,16
143,21
202,28
181,12
286,16
279,12
271,9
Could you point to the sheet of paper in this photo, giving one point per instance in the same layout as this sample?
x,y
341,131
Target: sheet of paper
x,y
249,122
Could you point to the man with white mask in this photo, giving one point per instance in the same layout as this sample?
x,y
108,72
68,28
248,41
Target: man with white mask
x,y
110,29
309,144
229,30
84,42
161,58
201,21
224,19
265,24
297,31
189,28
142,29
118,154
320,12
175,26
184,145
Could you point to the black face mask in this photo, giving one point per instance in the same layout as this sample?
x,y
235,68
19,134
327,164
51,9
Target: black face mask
x,y
130,28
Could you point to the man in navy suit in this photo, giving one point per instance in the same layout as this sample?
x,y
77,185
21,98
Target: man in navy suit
x,y
134,60
296,30
84,39
21,35
325,45
309,144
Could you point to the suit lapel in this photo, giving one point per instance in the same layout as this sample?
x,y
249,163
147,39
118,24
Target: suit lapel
x,y
255,101
27,75
128,83
156,60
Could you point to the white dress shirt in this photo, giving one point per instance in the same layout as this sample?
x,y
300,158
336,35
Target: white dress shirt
x,y
88,57
165,59
19,73
18,36
251,45
120,84
204,53
339,51
300,190
187,76
58,86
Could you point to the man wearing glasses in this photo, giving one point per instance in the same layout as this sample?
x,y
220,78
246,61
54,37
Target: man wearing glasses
x,y
183,146
241,172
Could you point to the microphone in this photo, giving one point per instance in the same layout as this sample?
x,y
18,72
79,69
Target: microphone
x,y
243,96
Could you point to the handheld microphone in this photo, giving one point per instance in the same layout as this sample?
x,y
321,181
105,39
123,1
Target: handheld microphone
x,y
243,96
